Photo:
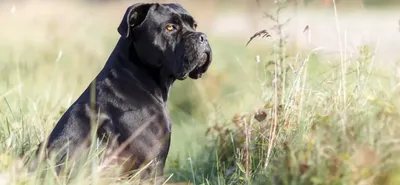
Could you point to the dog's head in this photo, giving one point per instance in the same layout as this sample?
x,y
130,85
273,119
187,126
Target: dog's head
x,y
165,36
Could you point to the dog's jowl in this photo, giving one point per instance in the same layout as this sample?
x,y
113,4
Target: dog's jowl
x,y
127,104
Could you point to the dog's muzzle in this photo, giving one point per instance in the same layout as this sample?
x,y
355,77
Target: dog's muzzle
x,y
198,55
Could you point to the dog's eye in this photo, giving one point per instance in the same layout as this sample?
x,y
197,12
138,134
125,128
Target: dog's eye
x,y
194,26
170,28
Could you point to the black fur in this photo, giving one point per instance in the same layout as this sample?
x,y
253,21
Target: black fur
x,y
131,91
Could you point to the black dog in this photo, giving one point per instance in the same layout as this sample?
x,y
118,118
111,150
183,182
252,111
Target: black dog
x,y
128,102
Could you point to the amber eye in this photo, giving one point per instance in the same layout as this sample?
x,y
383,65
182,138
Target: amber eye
x,y
170,28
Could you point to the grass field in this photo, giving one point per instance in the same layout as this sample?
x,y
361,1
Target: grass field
x,y
328,119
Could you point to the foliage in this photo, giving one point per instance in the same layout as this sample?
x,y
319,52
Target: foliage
x,y
290,117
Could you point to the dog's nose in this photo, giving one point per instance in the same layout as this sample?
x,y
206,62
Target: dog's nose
x,y
202,38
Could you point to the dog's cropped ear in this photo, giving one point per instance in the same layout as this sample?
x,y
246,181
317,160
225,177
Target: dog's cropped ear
x,y
134,16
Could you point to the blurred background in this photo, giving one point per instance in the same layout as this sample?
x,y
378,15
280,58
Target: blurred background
x,y
51,50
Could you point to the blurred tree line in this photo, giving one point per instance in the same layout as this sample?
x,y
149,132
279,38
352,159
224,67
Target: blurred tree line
x,y
305,2
364,2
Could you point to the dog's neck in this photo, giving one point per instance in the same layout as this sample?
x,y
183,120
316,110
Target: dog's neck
x,y
155,80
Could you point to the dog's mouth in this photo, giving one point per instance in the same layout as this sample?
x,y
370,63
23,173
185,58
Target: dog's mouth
x,y
202,66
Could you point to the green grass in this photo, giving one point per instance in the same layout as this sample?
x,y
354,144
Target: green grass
x,y
335,125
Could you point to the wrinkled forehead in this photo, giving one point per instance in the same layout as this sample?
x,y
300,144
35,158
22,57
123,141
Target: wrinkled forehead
x,y
177,7
174,10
